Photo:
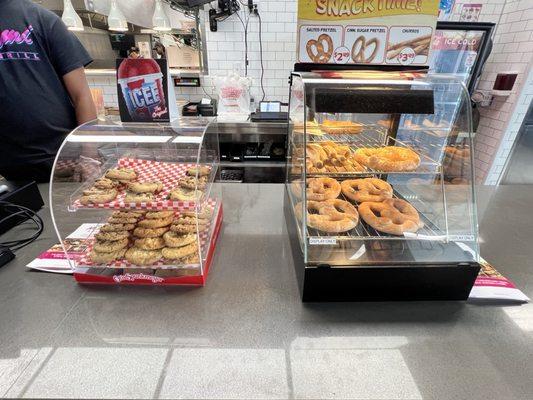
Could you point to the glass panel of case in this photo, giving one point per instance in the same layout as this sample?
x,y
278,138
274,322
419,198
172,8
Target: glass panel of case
x,y
384,167
145,198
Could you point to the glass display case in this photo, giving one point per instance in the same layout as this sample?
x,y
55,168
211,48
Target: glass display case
x,y
138,203
375,212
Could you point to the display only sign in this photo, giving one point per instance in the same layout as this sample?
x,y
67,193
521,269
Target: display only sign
x,y
380,32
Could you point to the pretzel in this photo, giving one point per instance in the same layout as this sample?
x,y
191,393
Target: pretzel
x,y
343,209
388,159
321,189
359,56
369,189
333,216
393,216
320,54
341,127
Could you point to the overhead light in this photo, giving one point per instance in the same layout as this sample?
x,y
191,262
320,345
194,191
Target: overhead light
x,y
160,21
116,19
70,17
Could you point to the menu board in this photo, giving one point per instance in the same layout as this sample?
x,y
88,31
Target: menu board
x,y
381,32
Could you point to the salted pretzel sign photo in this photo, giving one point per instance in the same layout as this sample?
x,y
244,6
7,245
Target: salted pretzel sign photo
x,y
393,32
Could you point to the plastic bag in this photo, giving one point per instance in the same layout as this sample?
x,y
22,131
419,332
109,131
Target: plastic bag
x,y
233,94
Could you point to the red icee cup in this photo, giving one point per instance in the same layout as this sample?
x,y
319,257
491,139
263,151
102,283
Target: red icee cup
x,y
141,81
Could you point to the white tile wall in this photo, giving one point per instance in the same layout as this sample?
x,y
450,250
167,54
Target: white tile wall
x,y
225,52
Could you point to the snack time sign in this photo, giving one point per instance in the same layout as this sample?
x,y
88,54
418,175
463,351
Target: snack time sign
x,y
381,32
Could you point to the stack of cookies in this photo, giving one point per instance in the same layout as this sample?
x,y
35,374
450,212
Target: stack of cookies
x,y
142,192
191,186
113,238
104,190
182,240
148,240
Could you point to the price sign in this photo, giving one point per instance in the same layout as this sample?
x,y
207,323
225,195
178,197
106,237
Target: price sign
x,y
406,56
341,55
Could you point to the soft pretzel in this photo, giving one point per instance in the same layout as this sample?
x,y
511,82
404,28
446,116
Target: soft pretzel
x,y
341,127
328,217
320,189
394,216
316,50
369,189
343,209
388,159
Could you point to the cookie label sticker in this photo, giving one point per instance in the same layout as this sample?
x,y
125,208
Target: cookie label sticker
x,y
325,241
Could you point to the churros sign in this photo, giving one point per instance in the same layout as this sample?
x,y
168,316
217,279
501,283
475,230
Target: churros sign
x,y
366,31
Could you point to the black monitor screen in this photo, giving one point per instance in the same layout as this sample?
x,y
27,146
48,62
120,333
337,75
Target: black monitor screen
x,y
122,41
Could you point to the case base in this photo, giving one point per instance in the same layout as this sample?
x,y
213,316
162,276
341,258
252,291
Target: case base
x,y
323,283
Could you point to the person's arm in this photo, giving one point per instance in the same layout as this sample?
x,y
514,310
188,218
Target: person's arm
x,y
80,94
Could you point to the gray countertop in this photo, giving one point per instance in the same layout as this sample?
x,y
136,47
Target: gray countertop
x,y
247,335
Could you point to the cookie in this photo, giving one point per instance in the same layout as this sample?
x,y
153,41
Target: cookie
x,y
105,258
159,214
98,198
155,223
138,197
107,246
205,213
121,174
192,259
104,183
172,239
175,253
199,171
183,229
145,187
190,221
117,227
149,232
150,243
191,183
93,191
128,214
130,220
142,257
181,194
112,236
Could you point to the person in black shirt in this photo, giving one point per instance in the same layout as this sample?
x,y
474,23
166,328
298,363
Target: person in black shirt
x,y
43,89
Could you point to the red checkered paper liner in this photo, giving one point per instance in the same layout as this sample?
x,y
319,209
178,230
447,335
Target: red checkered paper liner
x,y
85,260
150,171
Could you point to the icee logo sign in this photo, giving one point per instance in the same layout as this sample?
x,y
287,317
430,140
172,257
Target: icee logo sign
x,y
145,96
141,84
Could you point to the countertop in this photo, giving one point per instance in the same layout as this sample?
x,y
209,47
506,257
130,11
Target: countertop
x,y
247,334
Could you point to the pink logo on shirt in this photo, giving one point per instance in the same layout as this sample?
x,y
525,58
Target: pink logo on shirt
x,y
11,36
